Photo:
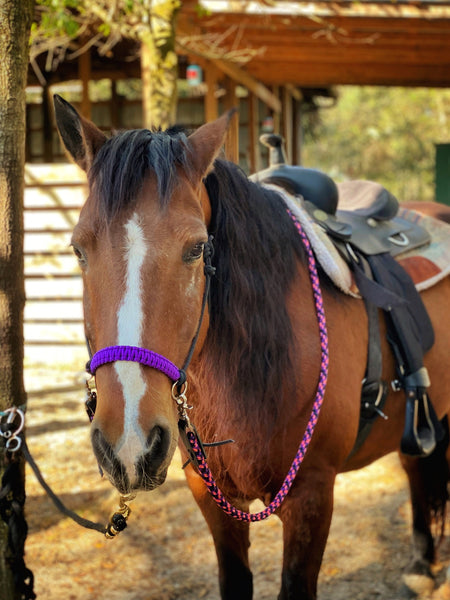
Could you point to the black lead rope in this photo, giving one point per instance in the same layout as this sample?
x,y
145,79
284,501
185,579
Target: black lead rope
x,y
117,522
56,501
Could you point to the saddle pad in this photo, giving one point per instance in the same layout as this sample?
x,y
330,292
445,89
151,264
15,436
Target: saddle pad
x,y
426,265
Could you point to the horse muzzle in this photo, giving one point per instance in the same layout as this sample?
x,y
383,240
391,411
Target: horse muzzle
x,y
146,471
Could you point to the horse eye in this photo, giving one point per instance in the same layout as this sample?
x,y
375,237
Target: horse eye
x,y
194,253
80,255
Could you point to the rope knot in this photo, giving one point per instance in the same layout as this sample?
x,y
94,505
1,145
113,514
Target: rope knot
x,y
208,249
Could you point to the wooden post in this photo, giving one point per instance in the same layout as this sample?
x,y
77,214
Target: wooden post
x,y
47,128
16,18
287,122
276,115
232,138
298,134
211,103
84,73
296,125
114,106
253,133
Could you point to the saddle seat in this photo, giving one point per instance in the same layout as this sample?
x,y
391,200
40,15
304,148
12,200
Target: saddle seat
x,y
360,213
368,199
371,213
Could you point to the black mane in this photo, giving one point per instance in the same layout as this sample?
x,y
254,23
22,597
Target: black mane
x,y
122,163
257,248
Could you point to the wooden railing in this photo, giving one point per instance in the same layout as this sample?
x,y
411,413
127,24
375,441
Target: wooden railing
x,y
54,195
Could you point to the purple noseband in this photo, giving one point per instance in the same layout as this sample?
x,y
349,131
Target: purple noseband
x,y
134,354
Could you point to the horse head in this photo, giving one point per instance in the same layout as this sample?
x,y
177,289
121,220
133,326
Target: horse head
x,y
139,242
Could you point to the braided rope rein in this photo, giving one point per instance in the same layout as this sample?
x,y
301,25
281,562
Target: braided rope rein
x,y
203,468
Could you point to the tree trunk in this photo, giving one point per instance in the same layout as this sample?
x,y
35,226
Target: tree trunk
x,y
159,65
15,23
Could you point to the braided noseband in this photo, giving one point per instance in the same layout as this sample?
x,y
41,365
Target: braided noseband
x,y
133,353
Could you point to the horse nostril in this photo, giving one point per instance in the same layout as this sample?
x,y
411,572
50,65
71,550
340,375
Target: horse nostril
x,y
158,443
109,461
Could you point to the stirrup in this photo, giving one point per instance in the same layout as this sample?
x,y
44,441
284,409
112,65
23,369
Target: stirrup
x,y
419,434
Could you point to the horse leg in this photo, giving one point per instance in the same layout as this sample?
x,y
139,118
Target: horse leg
x,y
231,541
428,478
306,517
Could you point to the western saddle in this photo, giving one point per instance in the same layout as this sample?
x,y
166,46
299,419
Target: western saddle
x,y
361,219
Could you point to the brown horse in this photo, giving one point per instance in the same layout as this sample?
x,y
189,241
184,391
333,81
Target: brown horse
x,y
432,209
154,199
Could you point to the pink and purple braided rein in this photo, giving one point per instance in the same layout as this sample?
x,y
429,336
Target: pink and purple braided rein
x,y
203,468
156,361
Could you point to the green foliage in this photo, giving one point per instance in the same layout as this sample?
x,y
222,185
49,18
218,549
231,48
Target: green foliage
x,y
57,18
384,134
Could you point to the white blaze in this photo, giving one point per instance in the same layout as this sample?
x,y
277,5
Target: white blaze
x,y
129,330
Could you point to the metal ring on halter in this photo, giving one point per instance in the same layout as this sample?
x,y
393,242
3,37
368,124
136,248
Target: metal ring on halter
x,y
181,392
181,401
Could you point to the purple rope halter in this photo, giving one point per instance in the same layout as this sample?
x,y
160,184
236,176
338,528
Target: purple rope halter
x,y
134,354
203,468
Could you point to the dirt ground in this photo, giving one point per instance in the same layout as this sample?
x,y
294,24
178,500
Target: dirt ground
x,y
166,553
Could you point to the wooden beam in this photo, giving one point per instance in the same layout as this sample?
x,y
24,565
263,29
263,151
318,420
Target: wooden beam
x,y
325,75
232,137
295,92
211,102
279,26
287,121
47,125
253,133
253,85
114,105
379,52
277,115
84,74
298,134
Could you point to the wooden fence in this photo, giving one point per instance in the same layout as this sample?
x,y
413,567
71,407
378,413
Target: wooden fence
x,y
53,320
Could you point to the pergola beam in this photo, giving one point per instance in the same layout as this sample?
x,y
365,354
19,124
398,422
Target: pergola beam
x,y
252,84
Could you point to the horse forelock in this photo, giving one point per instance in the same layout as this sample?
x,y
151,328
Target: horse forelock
x,y
250,337
124,162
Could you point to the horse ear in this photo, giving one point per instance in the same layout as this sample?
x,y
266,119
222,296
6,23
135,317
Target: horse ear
x,y
205,143
81,138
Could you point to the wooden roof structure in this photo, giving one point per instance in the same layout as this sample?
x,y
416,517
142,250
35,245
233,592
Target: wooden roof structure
x,y
327,42
303,43
282,52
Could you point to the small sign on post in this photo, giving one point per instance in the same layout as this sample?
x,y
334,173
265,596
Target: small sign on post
x,y
194,75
